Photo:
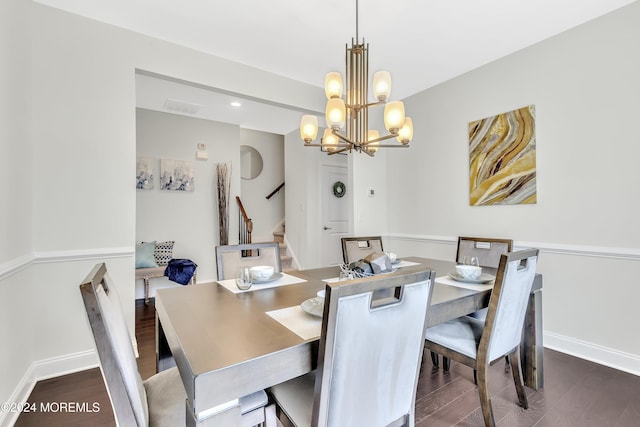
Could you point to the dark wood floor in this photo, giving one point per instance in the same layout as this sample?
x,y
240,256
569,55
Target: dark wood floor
x,y
576,393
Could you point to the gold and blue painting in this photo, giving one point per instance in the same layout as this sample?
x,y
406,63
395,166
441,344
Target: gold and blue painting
x,y
502,159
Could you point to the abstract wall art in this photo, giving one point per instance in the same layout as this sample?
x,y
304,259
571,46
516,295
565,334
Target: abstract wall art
x,y
144,173
502,159
176,175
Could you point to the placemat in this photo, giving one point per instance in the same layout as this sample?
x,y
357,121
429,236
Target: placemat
x,y
297,321
286,279
446,280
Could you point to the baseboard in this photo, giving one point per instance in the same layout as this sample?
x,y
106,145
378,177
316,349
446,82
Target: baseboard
x,y
594,353
294,260
45,369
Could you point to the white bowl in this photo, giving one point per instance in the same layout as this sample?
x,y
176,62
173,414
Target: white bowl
x,y
261,272
469,271
392,257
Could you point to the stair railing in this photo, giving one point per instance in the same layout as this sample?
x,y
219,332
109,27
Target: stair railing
x,y
245,225
273,193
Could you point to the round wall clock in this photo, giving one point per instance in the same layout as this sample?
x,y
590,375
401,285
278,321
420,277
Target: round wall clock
x,y
339,189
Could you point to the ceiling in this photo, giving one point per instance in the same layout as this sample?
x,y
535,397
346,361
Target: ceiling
x,y
422,42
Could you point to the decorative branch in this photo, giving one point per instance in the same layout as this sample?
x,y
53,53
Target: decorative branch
x,y
223,171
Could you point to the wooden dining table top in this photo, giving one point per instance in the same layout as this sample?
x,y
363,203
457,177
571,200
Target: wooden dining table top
x,y
217,337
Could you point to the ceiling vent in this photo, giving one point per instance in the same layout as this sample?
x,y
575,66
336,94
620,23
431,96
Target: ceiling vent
x,y
181,107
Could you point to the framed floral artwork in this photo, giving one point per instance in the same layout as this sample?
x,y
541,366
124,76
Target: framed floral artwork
x,y
144,173
176,175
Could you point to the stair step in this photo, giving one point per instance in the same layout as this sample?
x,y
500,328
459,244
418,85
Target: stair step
x,y
278,236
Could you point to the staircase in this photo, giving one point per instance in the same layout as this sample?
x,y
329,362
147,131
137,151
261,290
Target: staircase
x,y
285,260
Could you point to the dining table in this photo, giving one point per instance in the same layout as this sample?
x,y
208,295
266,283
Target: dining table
x,y
228,343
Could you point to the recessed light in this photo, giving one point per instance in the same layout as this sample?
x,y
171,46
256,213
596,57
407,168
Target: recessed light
x,y
235,104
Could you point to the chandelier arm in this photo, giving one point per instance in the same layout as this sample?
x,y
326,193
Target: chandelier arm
x,y
344,138
392,146
340,151
382,138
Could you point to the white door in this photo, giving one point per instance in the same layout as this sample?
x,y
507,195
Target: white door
x,y
334,200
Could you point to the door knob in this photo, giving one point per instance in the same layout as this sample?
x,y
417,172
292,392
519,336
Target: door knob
x,y
326,228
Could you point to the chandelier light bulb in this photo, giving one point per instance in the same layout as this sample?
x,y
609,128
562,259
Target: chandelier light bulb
x,y
394,116
333,85
328,138
335,113
405,134
308,128
382,85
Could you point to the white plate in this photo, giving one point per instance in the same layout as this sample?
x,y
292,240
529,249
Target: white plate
x,y
313,307
484,278
273,278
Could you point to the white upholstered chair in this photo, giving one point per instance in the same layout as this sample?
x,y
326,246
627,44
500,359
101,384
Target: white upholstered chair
x,y
230,258
369,355
357,248
488,251
477,343
158,401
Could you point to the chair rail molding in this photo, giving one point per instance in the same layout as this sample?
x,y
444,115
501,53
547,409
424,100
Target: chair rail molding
x,y
556,248
18,264
15,265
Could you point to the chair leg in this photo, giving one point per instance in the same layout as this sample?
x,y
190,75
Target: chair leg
x,y
475,377
434,359
485,401
516,370
446,364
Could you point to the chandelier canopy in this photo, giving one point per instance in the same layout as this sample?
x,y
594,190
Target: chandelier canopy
x,y
352,113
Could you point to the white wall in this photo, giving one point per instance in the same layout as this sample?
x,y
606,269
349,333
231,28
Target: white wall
x,y
16,171
83,140
188,218
584,84
191,218
302,191
267,215
16,218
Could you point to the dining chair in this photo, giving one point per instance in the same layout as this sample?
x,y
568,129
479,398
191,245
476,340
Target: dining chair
x,y
230,258
488,251
369,355
357,248
478,343
158,401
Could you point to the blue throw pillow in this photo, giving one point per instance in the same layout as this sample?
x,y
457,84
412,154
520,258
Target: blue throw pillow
x,y
144,255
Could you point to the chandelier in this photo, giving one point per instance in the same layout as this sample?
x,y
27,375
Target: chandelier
x,y
352,114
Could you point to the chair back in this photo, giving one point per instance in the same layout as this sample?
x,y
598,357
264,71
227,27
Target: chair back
x,y
508,304
115,351
371,350
357,248
231,258
487,250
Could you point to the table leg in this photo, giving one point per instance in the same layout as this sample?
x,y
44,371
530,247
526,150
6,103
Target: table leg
x,y
146,290
532,343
